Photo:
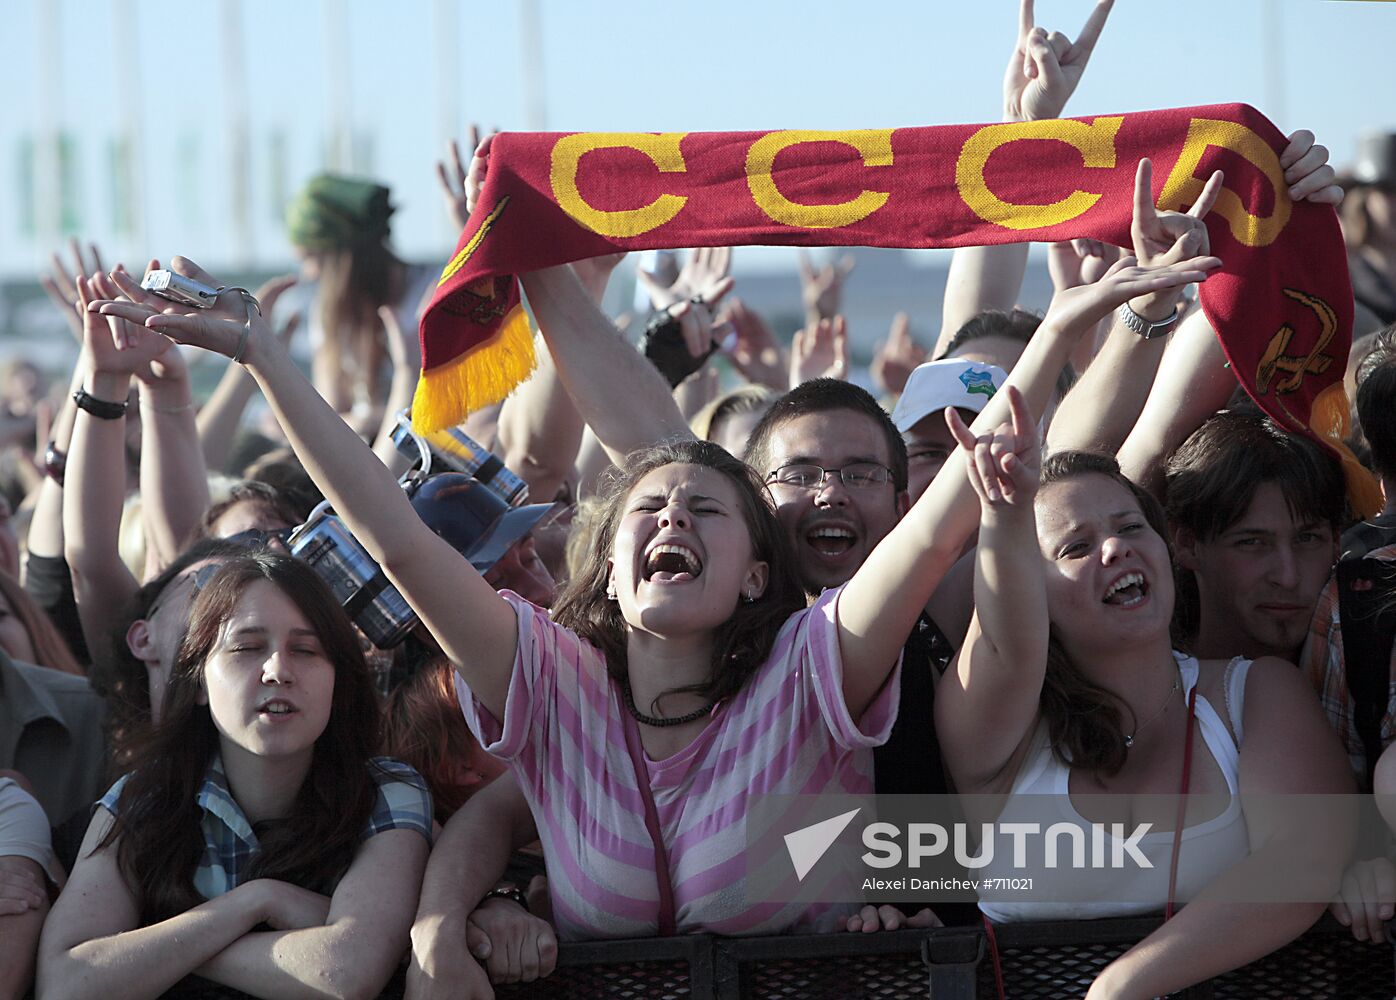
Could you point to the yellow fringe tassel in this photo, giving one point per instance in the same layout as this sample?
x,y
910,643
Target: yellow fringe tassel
x,y
1329,420
480,377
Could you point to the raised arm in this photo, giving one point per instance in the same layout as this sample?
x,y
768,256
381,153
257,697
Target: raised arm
x,y
475,628
1102,407
174,480
987,703
219,418
592,360
880,604
540,428
591,357
1043,72
1103,411
95,481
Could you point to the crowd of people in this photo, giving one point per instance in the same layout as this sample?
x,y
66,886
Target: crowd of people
x,y
288,708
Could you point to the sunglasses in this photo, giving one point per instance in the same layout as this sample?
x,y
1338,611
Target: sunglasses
x,y
256,538
200,578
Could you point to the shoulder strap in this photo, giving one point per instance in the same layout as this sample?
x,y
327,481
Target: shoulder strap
x,y
668,922
1234,689
1367,616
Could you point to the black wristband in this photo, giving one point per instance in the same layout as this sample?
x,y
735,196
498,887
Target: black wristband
x,y
55,463
102,409
508,892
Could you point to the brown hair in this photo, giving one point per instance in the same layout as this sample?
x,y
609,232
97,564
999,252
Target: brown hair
x,y
1211,479
1084,720
157,829
423,726
250,491
1376,402
50,649
824,395
354,282
744,399
745,640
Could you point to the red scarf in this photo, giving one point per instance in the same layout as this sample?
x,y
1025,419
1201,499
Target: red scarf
x,y
1281,305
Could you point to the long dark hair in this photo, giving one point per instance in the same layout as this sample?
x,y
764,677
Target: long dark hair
x,y
50,648
157,829
1085,720
742,642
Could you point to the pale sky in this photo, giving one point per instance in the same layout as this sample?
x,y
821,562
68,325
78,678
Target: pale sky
x,y
413,71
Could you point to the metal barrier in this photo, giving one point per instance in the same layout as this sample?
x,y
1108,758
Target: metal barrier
x,y
1042,961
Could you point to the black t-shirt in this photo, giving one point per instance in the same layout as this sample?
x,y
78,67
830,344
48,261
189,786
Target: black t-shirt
x,y
48,581
909,762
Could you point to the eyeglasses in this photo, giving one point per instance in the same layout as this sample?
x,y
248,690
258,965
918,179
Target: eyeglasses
x,y
855,475
200,578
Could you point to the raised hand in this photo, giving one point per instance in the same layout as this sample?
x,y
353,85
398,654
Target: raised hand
x,y
475,176
595,272
756,354
1307,172
1044,69
453,177
232,327
820,351
705,276
1079,309
897,356
1162,238
821,289
60,286
1079,262
1003,465
109,343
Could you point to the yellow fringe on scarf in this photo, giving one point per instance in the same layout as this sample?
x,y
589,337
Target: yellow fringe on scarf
x,y
480,377
1329,420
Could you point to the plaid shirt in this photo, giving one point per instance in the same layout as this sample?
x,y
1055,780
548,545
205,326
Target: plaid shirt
x,y
229,842
1322,661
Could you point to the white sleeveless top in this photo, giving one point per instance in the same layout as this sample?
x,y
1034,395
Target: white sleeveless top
x,y
1208,848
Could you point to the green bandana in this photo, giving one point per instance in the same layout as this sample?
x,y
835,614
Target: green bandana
x,y
335,213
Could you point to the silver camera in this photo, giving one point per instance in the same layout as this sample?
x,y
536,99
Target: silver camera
x,y
178,288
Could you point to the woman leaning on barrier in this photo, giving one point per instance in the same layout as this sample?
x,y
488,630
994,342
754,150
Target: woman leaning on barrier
x,y
1068,685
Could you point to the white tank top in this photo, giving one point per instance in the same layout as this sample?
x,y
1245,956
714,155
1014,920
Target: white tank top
x,y
1208,848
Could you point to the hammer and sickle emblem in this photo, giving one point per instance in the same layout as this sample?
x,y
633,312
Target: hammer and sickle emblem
x,y
466,252
1295,367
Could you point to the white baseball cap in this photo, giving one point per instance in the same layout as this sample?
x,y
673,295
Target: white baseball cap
x,y
967,385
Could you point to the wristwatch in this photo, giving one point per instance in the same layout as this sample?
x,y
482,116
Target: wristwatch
x,y
1146,328
102,409
55,463
508,892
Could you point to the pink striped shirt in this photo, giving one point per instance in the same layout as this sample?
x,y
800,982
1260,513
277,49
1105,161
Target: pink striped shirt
x,y
564,734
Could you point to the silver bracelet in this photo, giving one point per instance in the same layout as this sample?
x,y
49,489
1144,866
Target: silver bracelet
x,y
182,407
